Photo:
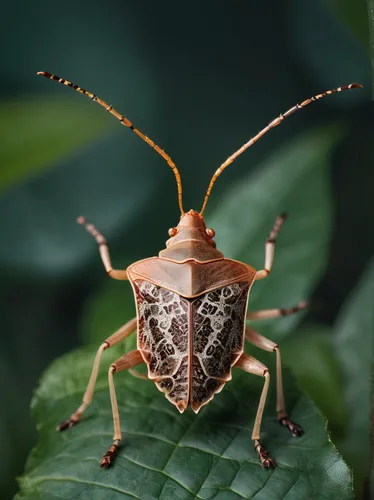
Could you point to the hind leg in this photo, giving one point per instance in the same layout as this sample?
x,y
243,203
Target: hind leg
x,y
268,345
251,365
125,362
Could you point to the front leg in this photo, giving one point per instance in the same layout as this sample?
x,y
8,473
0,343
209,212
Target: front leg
x,y
117,274
270,247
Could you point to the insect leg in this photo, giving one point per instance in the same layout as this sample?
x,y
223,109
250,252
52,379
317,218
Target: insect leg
x,y
275,313
270,247
137,374
268,345
117,274
119,335
251,365
125,362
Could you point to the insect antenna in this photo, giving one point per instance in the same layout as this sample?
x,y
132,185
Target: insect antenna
x,y
127,123
262,132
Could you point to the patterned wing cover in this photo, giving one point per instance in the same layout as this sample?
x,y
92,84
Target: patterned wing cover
x,y
190,345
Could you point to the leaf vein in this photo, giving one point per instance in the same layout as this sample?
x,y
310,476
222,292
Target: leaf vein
x,y
43,479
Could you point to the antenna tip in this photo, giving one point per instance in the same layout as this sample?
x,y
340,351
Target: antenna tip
x,y
44,73
81,220
355,86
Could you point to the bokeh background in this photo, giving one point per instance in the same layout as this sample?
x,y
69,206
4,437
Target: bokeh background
x,y
200,79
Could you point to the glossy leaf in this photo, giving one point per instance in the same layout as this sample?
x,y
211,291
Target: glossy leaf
x,y
166,455
107,310
47,241
310,353
346,59
34,133
353,15
354,348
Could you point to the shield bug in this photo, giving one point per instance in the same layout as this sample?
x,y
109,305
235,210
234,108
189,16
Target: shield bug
x,y
191,306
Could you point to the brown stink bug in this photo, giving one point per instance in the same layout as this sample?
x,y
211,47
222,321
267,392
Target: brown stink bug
x,y
191,306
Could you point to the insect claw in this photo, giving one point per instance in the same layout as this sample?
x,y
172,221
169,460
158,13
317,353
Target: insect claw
x,y
105,462
295,429
297,432
67,424
268,463
263,455
109,456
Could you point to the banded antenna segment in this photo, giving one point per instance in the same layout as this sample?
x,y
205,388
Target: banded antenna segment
x,y
127,123
262,132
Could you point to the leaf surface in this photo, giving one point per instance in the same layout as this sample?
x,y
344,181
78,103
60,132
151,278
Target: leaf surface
x,y
170,456
354,348
310,353
36,133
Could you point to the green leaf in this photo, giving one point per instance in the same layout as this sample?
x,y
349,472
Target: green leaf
x,y
170,456
107,310
35,133
290,181
354,347
48,243
345,60
354,15
309,352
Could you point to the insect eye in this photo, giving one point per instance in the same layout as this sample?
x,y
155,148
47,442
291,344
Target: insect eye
x,y
210,232
172,231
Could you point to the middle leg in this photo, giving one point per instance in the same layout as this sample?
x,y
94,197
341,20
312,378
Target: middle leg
x,y
268,345
276,313
111,341
136,374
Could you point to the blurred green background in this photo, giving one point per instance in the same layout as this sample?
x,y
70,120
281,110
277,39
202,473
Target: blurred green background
x,y
200,79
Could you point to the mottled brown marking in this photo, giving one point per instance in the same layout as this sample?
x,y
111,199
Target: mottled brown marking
x,y
190,345
163,339
218,339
